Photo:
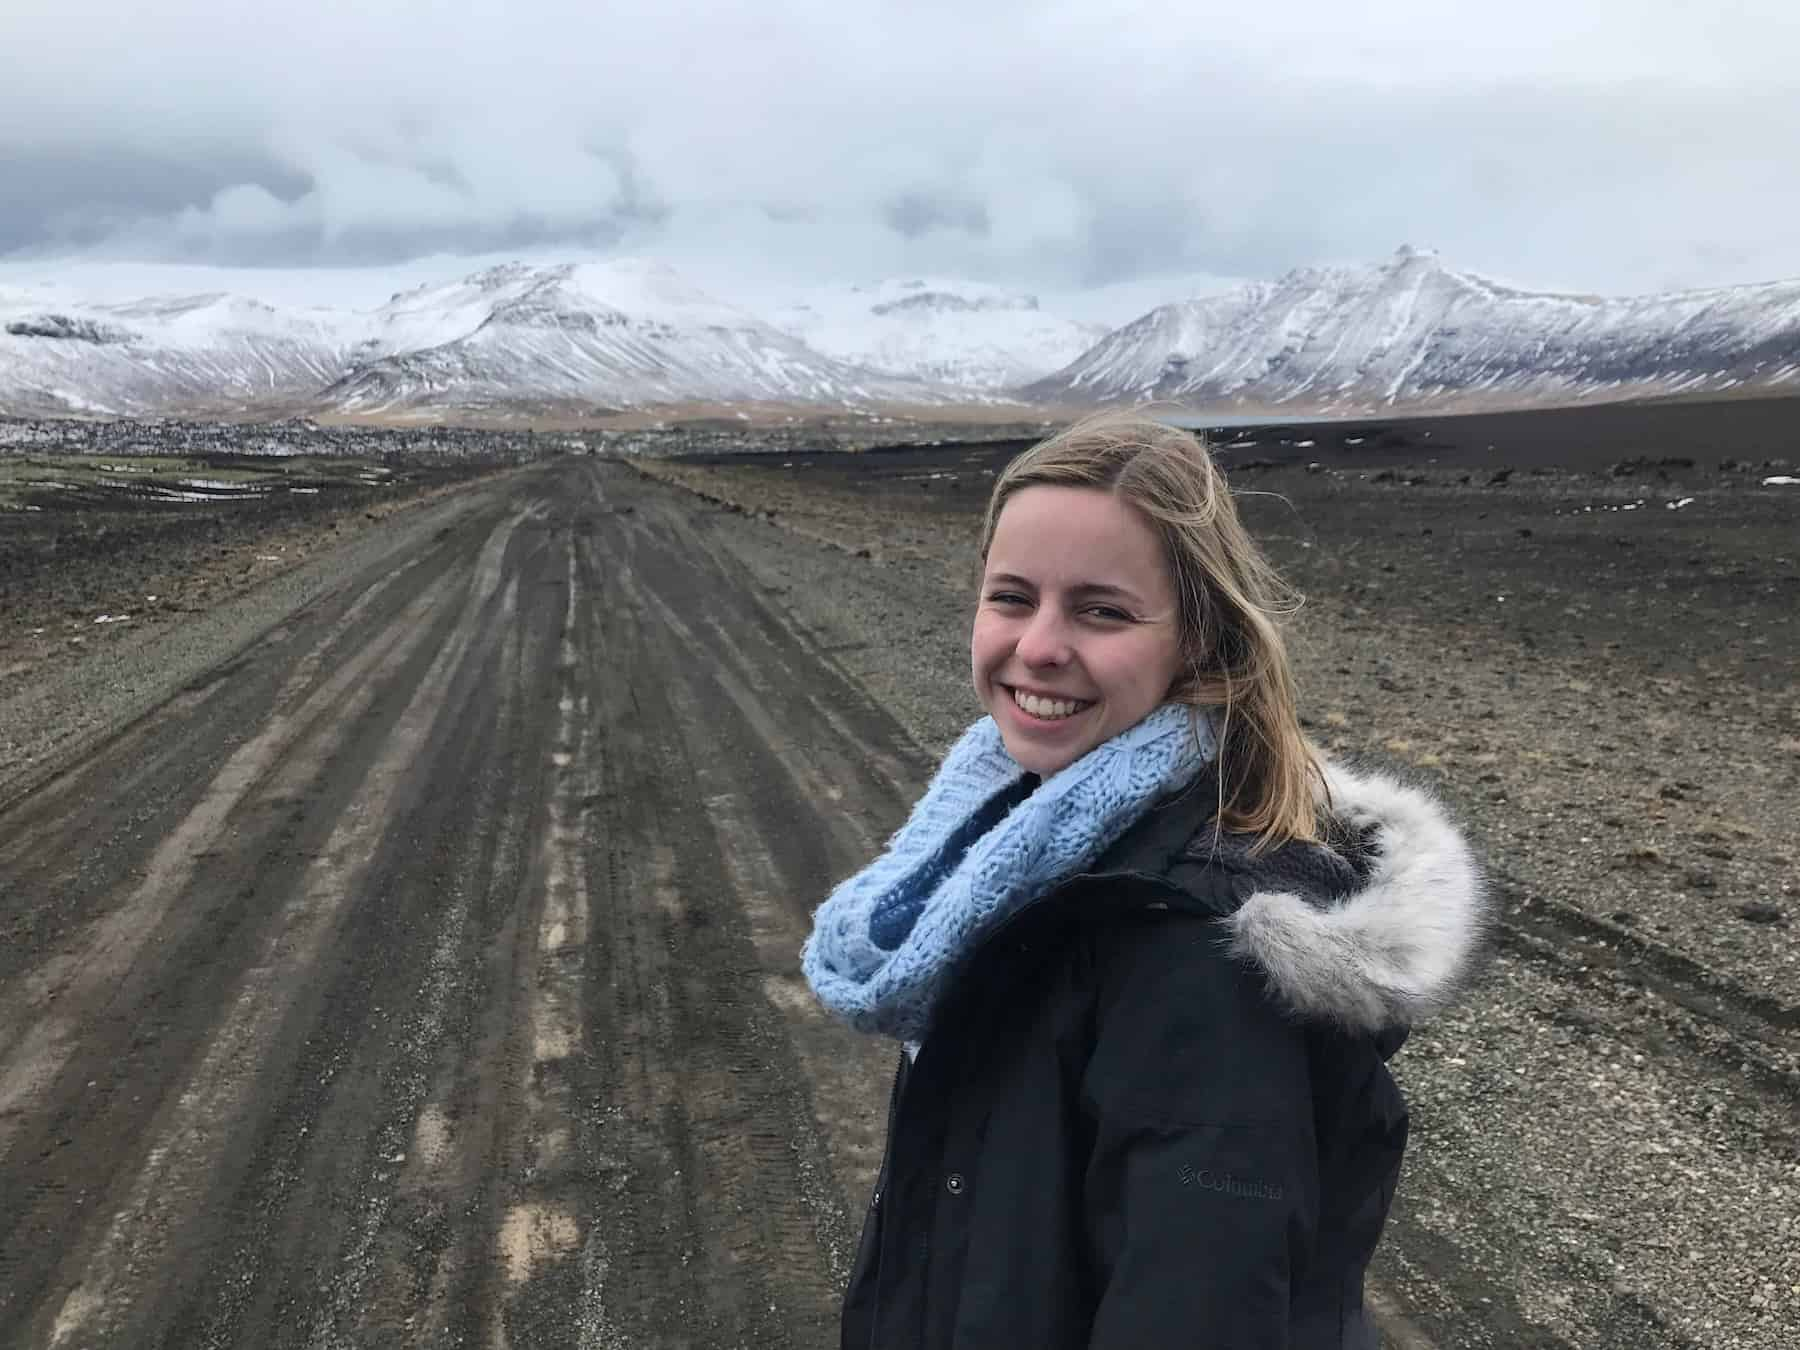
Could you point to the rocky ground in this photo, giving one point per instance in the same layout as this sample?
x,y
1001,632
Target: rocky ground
x,y
1597,667
91,576
423,754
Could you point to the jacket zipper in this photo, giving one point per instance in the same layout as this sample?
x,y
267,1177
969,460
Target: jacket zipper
x,y
887,1149
900,1069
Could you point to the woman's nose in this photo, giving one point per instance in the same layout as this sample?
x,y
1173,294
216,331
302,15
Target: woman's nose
x,y
1045,641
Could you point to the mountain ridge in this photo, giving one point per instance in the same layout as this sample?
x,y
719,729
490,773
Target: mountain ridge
x,y
594,339
1414,333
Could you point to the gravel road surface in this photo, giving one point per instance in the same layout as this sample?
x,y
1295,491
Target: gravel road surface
x,y
427,974
424,970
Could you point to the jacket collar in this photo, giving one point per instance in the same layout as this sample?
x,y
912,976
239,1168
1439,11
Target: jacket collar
x,y
1155,848
1376,931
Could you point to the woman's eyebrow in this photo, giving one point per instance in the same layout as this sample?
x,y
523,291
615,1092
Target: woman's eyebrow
x,y
1079,588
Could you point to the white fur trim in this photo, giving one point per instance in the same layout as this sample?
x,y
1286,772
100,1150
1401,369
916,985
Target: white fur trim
x,y
1393,952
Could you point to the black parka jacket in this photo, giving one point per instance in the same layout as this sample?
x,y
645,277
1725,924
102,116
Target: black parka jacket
x,y
1154,1108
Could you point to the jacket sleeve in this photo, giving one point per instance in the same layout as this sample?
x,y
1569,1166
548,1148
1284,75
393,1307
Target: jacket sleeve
x,y
1201,1187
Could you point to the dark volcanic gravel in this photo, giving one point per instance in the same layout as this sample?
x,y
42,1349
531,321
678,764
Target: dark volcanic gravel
x,y
1586,644
105,612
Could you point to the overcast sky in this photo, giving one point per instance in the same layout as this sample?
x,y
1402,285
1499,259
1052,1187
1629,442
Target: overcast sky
x,y
1594,145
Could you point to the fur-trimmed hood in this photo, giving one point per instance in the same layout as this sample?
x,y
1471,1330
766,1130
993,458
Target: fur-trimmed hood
x,y
1380,930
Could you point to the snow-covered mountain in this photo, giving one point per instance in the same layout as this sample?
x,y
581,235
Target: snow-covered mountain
x,y
620,335
576,339
962,333
200,354
514,339
1414,332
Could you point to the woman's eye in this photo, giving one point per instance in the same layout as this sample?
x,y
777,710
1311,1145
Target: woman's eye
x,y
1108,612
1005,598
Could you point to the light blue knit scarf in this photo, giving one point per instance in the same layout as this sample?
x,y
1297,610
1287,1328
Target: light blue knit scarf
x,y
980,844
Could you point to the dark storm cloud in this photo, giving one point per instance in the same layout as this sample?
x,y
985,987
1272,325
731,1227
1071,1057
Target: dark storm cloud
x,y
369,245
77,196
1608,145
1172,233
239,210
912,214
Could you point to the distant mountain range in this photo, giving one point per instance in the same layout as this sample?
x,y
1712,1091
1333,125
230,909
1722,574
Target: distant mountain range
x,y
583,340
513,341
1413,333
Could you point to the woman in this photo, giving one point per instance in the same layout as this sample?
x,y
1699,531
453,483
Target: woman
x,y
1146,952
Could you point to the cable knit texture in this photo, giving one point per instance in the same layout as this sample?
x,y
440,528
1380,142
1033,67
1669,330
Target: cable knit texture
x,y
984,840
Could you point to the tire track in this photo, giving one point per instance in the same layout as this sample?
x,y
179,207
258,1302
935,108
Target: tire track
x,y
420,1267
726,1227
80,801
143,1032
785,757
76,984
173,1180
455,998
545,1205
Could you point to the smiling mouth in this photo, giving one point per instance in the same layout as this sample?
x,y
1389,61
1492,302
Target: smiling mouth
x,y
1048,709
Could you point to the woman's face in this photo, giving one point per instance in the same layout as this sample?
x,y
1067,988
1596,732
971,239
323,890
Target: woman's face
x,y
1076,635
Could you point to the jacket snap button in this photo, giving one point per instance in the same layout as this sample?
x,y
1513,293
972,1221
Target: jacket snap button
x,y
954,1183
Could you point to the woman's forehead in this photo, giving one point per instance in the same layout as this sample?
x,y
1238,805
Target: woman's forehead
x,y
1066,524
1074,537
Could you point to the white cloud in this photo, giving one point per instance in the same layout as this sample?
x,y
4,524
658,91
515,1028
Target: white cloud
x,y
1612,144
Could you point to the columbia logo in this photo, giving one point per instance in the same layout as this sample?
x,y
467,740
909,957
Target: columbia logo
x,y
1227,1183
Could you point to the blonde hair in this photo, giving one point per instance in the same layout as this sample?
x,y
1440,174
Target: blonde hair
x,y
1229,600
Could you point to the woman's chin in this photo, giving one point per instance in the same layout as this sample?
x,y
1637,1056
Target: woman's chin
x,y
1034,757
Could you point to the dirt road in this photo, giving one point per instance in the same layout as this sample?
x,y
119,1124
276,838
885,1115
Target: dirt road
x,y
428,974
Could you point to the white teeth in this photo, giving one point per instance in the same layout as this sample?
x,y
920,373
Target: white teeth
x,y
1048,708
